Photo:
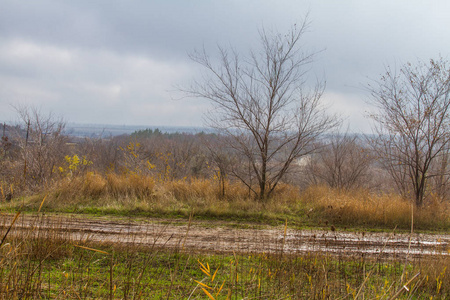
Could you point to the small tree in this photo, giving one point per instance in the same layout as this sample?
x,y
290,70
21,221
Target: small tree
x,y
42,144
342,163
413,123
220,159
262,105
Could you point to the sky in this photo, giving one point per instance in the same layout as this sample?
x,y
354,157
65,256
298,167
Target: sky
x,y
121,62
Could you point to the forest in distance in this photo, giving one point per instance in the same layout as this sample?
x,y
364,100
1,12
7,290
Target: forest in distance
x,y
109,130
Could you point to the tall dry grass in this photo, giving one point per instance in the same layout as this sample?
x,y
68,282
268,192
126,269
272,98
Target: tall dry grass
x,y
93,187
363,208
144,194
129,193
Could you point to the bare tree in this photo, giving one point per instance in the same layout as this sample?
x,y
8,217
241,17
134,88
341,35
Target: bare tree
x,y
220,159
105,153
261,102
413,124
342,163
42,144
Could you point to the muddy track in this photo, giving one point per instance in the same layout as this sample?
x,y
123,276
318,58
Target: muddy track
x,y
221,237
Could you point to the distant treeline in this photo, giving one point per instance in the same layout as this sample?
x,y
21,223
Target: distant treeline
x,y
148,133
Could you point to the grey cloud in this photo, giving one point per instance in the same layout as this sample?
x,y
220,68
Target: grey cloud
x,y
121,58
144,27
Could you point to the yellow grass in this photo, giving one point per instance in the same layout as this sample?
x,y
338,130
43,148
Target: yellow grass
x,y
362,207
315,206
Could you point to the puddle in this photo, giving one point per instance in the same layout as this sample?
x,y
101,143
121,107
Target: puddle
x,y
226,239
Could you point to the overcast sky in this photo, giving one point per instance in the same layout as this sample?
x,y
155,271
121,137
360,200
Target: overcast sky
x,y
118,62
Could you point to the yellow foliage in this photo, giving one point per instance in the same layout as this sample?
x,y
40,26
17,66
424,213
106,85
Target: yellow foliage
x,y
215,290
73,163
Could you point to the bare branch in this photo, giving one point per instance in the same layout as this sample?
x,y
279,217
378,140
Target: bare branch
x,y
413,123
262,104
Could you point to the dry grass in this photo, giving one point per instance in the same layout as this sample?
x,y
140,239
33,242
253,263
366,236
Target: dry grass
x,y
128,194
363,208
93,185
436,273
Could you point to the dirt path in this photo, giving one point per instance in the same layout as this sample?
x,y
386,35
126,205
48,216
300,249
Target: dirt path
x,y
221,237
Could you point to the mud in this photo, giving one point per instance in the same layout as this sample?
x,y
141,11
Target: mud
x,y
222,237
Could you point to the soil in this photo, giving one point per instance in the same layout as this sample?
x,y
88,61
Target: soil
x,y
213,237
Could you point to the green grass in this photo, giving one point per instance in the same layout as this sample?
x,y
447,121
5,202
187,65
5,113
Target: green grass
x,y
149,273
300,215
47,265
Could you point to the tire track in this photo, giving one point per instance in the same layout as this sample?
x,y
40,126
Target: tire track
x,y
222,237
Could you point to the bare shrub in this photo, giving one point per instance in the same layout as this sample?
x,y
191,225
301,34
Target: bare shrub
x,y
104,153
42,145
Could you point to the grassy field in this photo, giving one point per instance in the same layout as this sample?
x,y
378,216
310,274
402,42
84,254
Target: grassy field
x,y
39,264
317,206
